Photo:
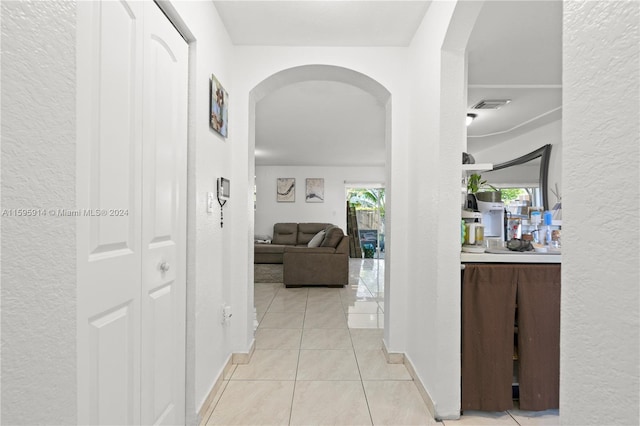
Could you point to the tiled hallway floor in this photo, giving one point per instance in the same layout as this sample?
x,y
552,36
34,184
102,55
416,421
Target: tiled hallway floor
x,y
318,359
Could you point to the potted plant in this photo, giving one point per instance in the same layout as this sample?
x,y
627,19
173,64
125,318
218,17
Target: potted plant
x,y
476,185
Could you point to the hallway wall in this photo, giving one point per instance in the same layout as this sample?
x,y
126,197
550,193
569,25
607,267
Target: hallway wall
x,y
423,172
209,255
600,327
38,252
431,300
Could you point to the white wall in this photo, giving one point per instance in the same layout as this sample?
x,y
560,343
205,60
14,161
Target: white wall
x,y
437,134
332,210
387,67
600,327
209,343
423,172
38,253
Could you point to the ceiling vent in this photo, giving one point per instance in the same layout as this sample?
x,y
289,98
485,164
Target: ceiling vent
x,y
491,104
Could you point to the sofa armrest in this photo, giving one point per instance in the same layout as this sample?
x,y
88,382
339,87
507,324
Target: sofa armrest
x,y
343,246
305,268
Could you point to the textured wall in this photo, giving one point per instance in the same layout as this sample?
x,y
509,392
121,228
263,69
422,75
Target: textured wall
x,y
209,258
38,253
600,377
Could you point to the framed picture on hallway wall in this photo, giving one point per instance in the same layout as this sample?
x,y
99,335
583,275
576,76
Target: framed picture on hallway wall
x,y
315,190
218,106
286,190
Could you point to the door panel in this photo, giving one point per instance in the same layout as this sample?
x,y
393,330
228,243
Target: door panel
x,y
109,177
111,350
164,221
132,103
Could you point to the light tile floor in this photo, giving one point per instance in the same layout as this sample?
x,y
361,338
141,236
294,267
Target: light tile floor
x,y
318,359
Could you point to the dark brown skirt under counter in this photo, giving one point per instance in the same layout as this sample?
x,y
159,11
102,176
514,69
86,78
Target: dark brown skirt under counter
x,y
490,294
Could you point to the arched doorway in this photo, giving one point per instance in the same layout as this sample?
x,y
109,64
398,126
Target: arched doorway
x,y
297,76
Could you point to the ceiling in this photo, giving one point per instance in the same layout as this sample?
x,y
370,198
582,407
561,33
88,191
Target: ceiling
x,y
514,53
322,23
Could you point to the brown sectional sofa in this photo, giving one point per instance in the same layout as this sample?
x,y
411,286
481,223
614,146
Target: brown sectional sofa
x,y
327,264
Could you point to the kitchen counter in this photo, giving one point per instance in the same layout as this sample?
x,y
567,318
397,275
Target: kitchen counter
x,y
510,257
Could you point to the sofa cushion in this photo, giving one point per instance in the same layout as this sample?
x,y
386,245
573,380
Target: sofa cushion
x,y
285,233
317,239
306,231
333,236
268,253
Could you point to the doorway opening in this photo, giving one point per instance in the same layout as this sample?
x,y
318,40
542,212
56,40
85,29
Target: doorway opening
x,y
366,216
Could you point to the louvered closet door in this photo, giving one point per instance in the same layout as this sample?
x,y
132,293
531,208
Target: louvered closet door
x,y
131,313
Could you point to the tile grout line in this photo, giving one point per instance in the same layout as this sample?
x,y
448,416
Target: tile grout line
x,y
295,378
358,366
224,388
514,419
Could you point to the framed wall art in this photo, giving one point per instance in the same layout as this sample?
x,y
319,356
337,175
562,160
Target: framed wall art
x,y
314,190
286,190
219,99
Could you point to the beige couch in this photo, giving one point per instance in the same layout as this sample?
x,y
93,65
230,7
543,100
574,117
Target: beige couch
x,y
326,264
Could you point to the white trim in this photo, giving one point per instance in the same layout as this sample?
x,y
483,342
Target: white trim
x,y
244,357
215,393
401,358
544,114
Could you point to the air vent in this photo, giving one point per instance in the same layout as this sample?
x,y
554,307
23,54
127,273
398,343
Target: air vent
x,y
491,104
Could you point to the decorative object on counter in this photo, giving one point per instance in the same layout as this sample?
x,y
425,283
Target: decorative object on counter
x,y
473,238
514,229
468,158
474,234
557,207
476,183
516,244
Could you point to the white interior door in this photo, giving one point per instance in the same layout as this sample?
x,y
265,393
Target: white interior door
x,y
163,220
131,173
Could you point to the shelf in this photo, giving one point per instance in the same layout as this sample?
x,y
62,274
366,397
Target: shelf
x,y
480,167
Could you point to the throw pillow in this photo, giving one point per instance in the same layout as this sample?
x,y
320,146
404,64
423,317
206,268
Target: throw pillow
x,y
316,240
333,237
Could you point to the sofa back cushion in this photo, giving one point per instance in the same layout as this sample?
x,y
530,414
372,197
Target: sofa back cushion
x,y
285,233
333,236
306,231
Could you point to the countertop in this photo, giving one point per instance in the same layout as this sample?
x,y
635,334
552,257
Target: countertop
x,y
510,257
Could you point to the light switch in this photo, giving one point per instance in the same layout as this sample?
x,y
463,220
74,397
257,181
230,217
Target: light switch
x,y
210,202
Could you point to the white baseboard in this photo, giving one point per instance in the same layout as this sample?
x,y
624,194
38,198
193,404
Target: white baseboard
x,y
400,358
392,357
244,358
211,399
214,394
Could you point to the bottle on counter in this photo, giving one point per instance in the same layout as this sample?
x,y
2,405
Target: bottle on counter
x,y
548,221
536,218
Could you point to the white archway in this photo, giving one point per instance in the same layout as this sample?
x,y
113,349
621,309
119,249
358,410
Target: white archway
x,y
322,72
